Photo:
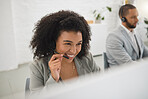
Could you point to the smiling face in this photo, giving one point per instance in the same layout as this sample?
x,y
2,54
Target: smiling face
x,y
69,43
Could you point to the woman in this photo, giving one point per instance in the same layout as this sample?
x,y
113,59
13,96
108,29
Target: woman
x,y
60,45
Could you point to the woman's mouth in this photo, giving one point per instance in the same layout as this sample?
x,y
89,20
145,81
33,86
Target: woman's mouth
x,y
70,56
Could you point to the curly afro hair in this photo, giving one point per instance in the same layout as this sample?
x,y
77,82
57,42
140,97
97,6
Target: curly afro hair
x,y
48,29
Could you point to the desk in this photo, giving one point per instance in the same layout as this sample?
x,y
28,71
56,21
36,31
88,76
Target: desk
x,y
124,82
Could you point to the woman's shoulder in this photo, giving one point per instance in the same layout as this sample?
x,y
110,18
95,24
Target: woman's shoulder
x,y
88,63
88,56
39,63
86,59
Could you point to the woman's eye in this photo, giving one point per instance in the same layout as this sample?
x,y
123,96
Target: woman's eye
x,y
79,44
67,44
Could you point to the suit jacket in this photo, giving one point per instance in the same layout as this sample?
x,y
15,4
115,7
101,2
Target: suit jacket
x,y
120,48
40,72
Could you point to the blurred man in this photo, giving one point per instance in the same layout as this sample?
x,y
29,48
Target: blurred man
x,y
124,45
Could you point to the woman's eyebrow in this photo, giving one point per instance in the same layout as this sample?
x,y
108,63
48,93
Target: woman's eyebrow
x,y
70,41
80,41
67,41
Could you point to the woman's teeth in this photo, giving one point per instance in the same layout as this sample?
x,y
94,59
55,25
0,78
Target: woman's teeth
x,y
70,55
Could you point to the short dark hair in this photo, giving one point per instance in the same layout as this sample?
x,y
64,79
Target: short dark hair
x,y
123,11
48,29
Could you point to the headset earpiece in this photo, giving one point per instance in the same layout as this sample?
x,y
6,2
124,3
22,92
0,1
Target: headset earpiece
x,y
123,19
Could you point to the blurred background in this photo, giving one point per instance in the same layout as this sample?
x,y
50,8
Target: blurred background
x,y
17,20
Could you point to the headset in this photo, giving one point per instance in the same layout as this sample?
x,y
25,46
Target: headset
x,y
123,19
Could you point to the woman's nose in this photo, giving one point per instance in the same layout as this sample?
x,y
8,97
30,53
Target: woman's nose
x,y
73,49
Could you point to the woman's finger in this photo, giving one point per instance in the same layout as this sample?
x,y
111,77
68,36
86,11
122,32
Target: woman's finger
x,y
56,56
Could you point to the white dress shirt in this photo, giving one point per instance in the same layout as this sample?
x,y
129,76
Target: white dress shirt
x,y
132,36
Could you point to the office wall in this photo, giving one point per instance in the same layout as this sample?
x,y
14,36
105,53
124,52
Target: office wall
x,y
7,37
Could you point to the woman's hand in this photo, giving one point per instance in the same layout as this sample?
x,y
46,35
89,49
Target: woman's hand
x,y
55,66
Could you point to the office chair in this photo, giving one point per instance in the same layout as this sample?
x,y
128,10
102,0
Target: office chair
x,y
106,64
27,90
